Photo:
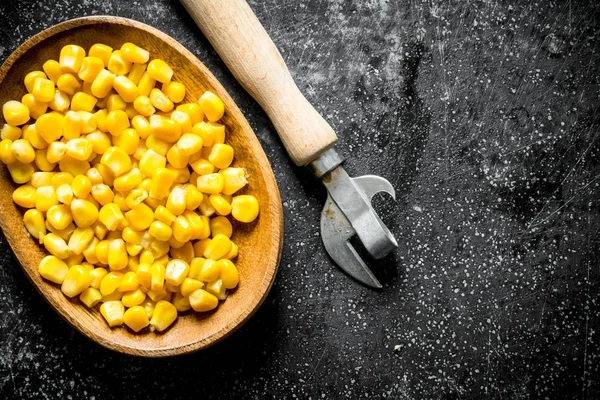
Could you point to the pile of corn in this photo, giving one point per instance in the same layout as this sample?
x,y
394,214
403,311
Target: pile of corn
x,y
128,192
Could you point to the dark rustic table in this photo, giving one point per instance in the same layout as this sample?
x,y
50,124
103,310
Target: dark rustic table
x,y
484,115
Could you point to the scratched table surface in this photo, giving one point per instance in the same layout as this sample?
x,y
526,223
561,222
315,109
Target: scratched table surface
x,y
485,117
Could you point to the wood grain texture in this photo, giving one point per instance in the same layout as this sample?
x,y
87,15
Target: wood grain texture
x,y
259,242
244,45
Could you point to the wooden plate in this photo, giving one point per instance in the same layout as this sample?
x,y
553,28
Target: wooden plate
x,y
259,242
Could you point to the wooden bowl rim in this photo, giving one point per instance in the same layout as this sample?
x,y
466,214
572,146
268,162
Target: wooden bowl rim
x,y
276,212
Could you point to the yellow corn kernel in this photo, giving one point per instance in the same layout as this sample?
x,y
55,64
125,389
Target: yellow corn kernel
x,y
160,101
56,245
90,254
183,120
20,173
6,154
32,136
71,58
59,216
77,259
196,266
120,201
244,208
107,175
103,194
116,160
184,252
50,126
161,183
111,216
101,51
64,194
220,204
218,246
90,297
67,83
10,132
129,282
128,181
229,274
163,316
90,68
41,161
113,312
53,269
133,250
135,317
15,113
176,158
201,300
193,110
115,102
84,212
157,281
180,302
160,231
100,141
56,152
210,183
151,162
176,272
140,217
210,271
189,143
132,53
60,101
83,101
35,224
175,91
116,122
221,225
160,71
117,65
31,77
146,84
40,179
73,166
117,254
23,151
52,70
174,243
72,125
79,149
135,197
176,202
128,140
36,108
144,275
189,286
102,252
125,88
97,275
205,227
158,145
81,186
45,197
163,215
102,85
193,197
182,229
64,234
110,283
212,106
80,239
136,73
143,105
206,208
114,296
76,281
221,155
196,223
217,289
42,90
60,178
158,249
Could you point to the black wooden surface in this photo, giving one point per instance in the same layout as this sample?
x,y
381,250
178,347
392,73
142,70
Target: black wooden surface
x,y
484,115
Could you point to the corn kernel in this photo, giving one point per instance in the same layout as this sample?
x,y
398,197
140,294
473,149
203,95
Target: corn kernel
x,y
43,90
10,132
45,198
136,73
15,113
41,161
190,285
79,149
210,183
116,122
220,204
83,101
146,84
217,289
113,312
117,65
102,84
144,275
64,194
60,178
81,186
140,217
117,254
210,271
97,275
23,151
60,101
53,269
244,208
100,141
135,317
67,83
151,161
180,302
163,215
212,106
71,58
59,216
129,282
80,239
90,68
101,51
73,166
6,154
84,212
175,91
158,145
201,300
76,281
103,194
52,70
111,216
176,158
218,246
160,71
77,259
143,105
31,77
36,108
128,140
183,120
161,182
56,151
157,281
176,272
221,155
128,181
19,172
221,225
50,126
117,161
90,255
160,101
90,297
64,234
34,223
176,202
72,125
206,208
133,250
193,110
196,266
125,88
